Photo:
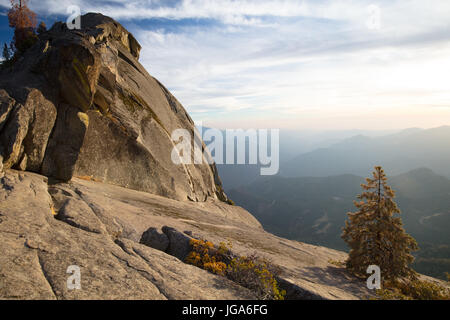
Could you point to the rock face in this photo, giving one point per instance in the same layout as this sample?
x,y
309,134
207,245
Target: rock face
x,y
45,228
38,247
79,103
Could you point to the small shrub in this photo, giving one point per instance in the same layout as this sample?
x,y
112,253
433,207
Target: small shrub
x,y
255,274
413,290
116,234
336,263
42,28
250,272
204,255
231,202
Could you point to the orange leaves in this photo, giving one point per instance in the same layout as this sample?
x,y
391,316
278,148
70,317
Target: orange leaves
x,y
20,16
24,21
204,255
215,267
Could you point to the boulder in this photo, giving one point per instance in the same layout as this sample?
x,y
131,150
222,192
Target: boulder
x,y
154,239
179,243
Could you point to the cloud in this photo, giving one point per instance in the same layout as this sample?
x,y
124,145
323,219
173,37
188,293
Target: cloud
x,y
298,65
412,13
291,62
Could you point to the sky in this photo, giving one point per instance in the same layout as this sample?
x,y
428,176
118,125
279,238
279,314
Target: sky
x,y
290,64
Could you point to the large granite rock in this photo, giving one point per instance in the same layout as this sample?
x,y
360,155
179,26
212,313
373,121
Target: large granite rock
x,y
44,228
37,247
79,103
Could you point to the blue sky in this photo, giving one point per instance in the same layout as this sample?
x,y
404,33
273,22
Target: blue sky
x,y
341,64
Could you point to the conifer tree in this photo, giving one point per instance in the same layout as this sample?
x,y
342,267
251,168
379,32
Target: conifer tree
x,y
41,28
6,53
23,20
375,236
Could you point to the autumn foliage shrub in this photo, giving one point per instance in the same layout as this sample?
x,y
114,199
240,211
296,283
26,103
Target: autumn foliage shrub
x,y
250,272
206,256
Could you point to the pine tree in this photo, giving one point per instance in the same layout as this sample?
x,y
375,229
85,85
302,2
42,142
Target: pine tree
x,y
6,53
41,28
375,236
23,20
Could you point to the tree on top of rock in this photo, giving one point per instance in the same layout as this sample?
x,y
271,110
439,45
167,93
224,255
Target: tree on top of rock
x,y
41,28
375,236
23,20
6,52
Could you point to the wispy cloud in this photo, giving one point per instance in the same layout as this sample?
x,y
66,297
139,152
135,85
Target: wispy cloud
x,y
293,63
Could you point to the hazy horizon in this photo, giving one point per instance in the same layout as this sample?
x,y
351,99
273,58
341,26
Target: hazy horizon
x,y
377,132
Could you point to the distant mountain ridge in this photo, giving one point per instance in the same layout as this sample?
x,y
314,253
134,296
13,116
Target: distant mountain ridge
x,y
355,152
398,153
